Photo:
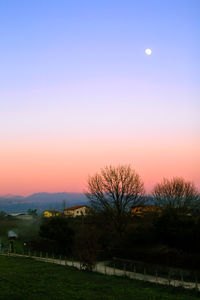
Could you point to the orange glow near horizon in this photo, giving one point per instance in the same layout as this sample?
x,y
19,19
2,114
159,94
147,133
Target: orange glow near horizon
x,y
63,167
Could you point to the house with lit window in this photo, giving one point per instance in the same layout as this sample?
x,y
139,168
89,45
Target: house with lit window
x,y
141,211
51,213
75,211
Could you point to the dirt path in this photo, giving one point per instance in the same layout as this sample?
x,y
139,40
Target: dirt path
x,y
103,269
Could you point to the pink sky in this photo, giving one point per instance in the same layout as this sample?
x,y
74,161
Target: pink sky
x,y
78,92
58,166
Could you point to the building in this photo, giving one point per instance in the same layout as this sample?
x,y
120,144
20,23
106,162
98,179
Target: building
x,y
75,211
51,213
140,211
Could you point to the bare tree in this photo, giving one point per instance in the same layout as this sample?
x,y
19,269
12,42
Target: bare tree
x,y
86,247
115,190
176,193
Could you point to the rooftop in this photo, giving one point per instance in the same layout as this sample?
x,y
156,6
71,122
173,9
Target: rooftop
x,y
75,207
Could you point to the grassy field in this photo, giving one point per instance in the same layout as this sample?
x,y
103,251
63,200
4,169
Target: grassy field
x,y
23,278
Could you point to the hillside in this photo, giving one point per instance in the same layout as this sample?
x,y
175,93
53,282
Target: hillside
x,y
22,278
40,201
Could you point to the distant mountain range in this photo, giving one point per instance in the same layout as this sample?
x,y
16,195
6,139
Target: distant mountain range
x,y
40,201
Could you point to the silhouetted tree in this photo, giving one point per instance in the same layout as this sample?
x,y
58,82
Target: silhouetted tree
x,y
181,231
32,212
86,247
57,230
64,204
115,190
176,193
3,214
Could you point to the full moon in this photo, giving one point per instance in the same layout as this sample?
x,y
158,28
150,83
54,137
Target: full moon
x,y
148,51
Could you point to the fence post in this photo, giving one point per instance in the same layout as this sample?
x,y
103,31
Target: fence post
x,y
144,273
134,269
114,267
124,268
182,278
196,283
156,276
95,267
169,277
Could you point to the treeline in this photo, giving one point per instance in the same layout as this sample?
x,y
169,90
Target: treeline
x,y
120,225
170,238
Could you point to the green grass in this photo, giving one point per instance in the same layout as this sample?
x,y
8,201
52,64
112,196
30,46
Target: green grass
x,y
23,278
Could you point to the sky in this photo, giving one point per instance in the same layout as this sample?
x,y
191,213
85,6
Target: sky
x,y
78,92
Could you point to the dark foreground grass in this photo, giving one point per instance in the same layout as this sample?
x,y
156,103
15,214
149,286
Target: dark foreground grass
x,y
23,278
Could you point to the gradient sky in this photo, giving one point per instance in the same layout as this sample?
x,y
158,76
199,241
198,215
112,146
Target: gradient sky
x,y
78,92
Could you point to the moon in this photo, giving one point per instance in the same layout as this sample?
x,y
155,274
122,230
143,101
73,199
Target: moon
x,y
148,51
